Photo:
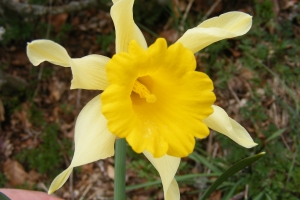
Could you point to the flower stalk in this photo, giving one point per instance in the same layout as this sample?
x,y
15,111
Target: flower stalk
x,y
120,169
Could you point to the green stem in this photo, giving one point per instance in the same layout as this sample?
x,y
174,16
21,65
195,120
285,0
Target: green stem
x,y
120,170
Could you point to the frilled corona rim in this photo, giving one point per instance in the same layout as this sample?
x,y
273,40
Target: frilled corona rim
x,y
156,99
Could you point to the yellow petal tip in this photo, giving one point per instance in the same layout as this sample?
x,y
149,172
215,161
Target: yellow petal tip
x,y
252,145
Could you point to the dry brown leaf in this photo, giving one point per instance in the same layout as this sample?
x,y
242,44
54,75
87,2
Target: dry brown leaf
x,y
89,168
235,53
170,35
57,21
33,176
22,115
286,4
111,171
15,172
56,88
140,197
246,73
216,195
19,58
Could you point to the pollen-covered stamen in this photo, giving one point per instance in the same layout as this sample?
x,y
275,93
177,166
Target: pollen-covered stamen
x,y
143,92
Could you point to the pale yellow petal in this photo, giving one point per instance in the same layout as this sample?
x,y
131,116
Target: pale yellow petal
x,y
228,25
93,141
222,123
173,191
167,167
89,72
39,51
126,29
60,180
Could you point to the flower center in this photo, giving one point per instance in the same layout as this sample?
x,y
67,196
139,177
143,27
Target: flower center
x,y
143,92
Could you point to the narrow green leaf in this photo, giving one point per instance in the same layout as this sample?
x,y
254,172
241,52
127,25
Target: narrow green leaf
x,y
191,176
138,186
200,159
276,134
178,179
231,171
232,190
268,196
259,196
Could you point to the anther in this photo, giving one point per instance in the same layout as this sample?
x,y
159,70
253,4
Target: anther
x,y
140,89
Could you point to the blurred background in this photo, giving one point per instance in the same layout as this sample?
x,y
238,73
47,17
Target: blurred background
x,y
256,79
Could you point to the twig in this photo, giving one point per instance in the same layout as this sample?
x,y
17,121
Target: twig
x,y
285,142
234,94
39,79
215,151
246,192
38,10
212,8
42,65
78,101
86,191
12,84
187,10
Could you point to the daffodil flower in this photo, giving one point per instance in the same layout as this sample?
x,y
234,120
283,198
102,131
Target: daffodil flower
x,y
152,96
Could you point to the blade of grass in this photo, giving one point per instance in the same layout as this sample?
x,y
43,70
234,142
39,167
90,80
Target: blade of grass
x,y
200,159
178,179
233,188
259,196
231,171
275,135
147,30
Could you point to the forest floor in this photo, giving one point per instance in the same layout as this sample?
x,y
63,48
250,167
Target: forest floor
x,y
256,80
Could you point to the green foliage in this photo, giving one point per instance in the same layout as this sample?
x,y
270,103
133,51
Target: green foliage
x,y
67,108
21,29
233,170
151,13
48,156
2,180
264,10
26,186
11,104
16,29
271,175
105,40
139,163
63,33
253,110
36,116
217,65
38,2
